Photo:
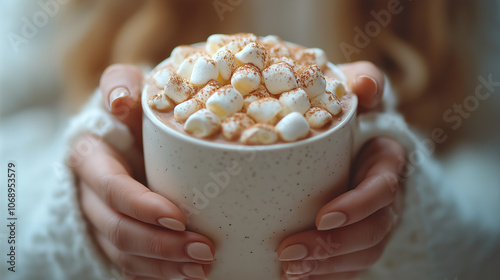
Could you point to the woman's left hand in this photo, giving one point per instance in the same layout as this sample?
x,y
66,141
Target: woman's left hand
x,y
352,229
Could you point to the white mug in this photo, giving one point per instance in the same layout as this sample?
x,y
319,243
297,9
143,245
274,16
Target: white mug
x,y
247,199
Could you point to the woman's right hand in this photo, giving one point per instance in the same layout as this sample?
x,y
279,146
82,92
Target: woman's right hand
x,y
140,231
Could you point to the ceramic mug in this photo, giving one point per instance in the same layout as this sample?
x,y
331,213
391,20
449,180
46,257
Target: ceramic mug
x,y
247,199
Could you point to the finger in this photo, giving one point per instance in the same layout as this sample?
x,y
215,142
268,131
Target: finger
x,y
139,239
318,245
121,88
378,188
127,78
106,173
373,152
366,81
148,267
356,261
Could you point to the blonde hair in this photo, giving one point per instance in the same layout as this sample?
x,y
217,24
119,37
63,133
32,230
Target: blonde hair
x,y
416,49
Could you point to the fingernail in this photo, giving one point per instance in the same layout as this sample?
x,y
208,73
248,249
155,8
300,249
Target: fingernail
x,y
117,93
199,251
171,224
293,253
332,220
297,268
370,82
193,270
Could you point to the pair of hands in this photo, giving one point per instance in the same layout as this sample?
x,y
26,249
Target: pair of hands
x,y
144,234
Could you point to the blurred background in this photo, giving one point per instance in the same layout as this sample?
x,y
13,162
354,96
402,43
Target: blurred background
x,y
442,57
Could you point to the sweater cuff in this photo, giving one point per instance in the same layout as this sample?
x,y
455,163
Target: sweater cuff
x,y
96,120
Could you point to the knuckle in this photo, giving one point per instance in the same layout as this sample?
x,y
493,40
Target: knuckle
x,y
136,206
108,185
155,245
111,188
114,232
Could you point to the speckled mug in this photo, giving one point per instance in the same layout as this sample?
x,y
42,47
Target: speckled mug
x,y
247,199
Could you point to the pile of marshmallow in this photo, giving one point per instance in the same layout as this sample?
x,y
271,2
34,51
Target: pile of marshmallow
x,y
253,90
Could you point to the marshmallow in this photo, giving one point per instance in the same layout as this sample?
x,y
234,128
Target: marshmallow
x,y
336,87
311,79
226,61
259,134
328,101
216,41
240,41
205,92
246,79
225,102
185,109
161,77
279,51
286,59
204,70
202,123
233,126
295,100
182,52
275,46
312,56
292,127
186,67
265,110
253,53
178,89
259,93
272,40
318,117
279,78
161,103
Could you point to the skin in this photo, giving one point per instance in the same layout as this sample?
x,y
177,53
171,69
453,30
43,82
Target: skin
x,y
123,213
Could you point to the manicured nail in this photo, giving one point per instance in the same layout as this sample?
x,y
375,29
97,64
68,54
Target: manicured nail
x,y
332,220
372,86
369,81
298,268
193,270
293,253
172,224
199,251
117,93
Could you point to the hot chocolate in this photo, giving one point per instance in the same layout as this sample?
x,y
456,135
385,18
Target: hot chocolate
x,y
244,89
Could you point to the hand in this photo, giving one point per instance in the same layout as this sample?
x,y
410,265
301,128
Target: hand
x,y
353,228
140,231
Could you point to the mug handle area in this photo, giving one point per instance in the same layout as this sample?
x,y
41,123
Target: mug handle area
x,y
389,125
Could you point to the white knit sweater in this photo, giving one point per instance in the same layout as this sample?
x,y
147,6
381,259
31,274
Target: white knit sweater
x,y
64,250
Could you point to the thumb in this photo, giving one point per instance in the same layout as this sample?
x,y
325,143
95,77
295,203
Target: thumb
x,y
366,81
121,87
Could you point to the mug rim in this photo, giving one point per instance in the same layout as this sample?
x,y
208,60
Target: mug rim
x,y
148,113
